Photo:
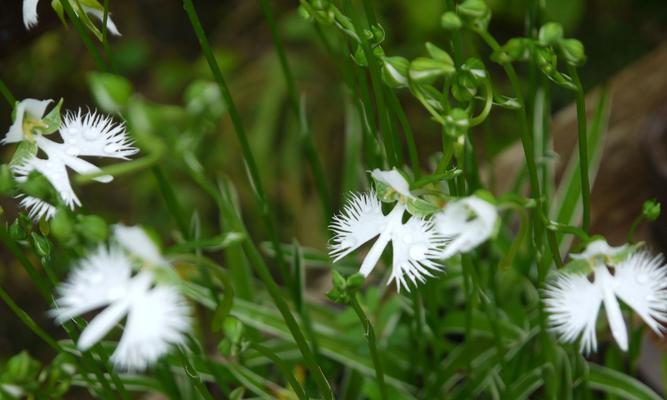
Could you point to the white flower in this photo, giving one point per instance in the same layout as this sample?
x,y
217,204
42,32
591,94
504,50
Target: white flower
x,y
573,301
135,241
157,316
416,245
466,223
30,15
28,114
393,179
83,135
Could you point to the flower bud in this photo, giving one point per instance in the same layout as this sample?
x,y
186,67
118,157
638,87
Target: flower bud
x,y
439,54
651,210
92,228
550,33
426,70
473,8
62,226
573,51
395,71
41,245
450,21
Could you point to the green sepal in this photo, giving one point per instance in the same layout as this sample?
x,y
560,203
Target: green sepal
x,y
439,54
577,267
25,150
52,121
421,208
359,56
59,10
7,183
509,103
516,49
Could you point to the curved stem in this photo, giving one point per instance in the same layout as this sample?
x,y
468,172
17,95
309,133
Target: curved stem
x,y
583,149
369,332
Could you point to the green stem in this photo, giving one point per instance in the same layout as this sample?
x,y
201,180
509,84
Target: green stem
x,y
296,386
309,148
101,64
583,148
29,322
369,332
7,94
234,115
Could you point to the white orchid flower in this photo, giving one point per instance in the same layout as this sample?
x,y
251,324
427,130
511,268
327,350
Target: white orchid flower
x,y
30,17
416,245
83,135
157,315
638,279
466,223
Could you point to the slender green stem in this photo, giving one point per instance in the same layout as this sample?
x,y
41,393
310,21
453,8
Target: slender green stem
x,y
29,322
407,131
369,332
251,165
172,203
42,286
7,94
266,352
309,148
101,64
583,148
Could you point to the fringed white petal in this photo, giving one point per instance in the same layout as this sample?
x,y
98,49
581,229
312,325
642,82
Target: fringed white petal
x,y
157,320
94,134
32,107
98,280
416,250
394,179
467,223
99,14
30,13
641,283
135,240
360,220
54,171
573,303
38,209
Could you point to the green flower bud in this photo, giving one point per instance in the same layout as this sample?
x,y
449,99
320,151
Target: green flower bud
x,y
395,71
62,226
516,49
355,282
573,51
426,70
233,329
457,122
473,8
359,57
41,245
17,231
550,33
439,54
651,210
21,369
92,228
450,21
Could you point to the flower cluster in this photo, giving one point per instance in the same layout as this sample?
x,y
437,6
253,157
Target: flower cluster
x,y
419,244
88,134
122,279
602,274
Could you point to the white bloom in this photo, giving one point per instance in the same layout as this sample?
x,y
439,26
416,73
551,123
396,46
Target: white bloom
x,y
157,316
27,112
416,245
393,179
83,135
466,223
37,209
573,301
135,241
30,15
